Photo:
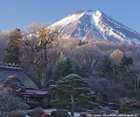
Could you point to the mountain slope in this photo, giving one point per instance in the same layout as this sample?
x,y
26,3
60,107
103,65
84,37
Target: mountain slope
x,y
95,25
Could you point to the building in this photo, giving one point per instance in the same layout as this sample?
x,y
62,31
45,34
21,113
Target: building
x,y
33,94
36,97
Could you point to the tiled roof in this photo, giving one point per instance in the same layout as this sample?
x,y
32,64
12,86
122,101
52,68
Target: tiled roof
x,y
34,92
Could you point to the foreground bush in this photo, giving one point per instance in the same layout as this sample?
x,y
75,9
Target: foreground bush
x,y
23,106
17,114
13,114
9,103
33,104
60,113
131,105
5,114
45,115
37,112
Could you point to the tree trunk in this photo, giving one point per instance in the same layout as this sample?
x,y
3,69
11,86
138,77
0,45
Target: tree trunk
x,y
72,105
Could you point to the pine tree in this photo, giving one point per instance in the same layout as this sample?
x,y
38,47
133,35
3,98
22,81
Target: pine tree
x,y
72,92
63,67
106,68
77,70
12,51
125,64
68,65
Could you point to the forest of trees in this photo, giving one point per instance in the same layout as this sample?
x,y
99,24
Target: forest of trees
x,y
112,70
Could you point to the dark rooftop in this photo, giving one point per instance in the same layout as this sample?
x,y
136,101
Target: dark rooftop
x,y
34,92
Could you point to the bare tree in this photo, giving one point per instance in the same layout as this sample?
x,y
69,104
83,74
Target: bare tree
x,y
32,28
36,56
116,56
87,56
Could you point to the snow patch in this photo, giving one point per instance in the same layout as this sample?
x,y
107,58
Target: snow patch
x,y
97,17
68,20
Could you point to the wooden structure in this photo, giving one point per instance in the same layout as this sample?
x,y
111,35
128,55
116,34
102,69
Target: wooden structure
x,y
33,94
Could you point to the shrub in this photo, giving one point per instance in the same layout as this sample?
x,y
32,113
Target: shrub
x,y
33,104
110,90
9,102
17,114
60,113
45,102
37,112
23,106
45,115
129,106
13,83
5,114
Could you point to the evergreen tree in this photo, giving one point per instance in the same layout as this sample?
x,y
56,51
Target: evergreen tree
x,y
12,51
106,68
12,54
125,64
131,76
68,64
72,92
63,67
77,70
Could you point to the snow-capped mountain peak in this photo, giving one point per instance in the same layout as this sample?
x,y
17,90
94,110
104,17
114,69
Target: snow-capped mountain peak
x,y
95,25
96,16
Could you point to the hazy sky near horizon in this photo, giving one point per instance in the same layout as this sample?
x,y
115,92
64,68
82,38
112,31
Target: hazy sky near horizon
x,y
20,13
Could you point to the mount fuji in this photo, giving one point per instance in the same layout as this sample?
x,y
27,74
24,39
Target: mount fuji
x,y
96,26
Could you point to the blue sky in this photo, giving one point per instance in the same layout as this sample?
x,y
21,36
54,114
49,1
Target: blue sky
x,y
20,13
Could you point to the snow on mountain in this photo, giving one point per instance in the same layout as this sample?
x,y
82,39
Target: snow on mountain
x,y
95,25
